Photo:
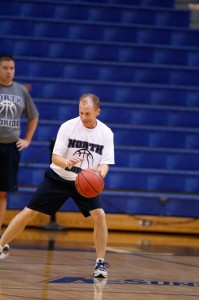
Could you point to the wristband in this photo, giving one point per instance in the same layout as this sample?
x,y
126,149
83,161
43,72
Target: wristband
x,y
67,165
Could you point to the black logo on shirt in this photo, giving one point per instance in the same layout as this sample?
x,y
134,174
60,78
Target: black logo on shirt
x,y
85,150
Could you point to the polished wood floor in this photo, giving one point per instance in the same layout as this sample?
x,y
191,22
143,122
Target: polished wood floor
x,y
58,265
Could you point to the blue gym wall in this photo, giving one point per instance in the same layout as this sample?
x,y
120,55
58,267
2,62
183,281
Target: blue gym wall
x,y
142,59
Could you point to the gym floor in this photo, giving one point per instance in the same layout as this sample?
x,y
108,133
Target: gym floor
x,y
45,264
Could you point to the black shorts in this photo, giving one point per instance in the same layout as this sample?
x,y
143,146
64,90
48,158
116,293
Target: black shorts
x,y
54,191
9,164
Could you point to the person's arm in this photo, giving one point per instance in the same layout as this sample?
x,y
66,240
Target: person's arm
x,y
65,163
103,169
31,127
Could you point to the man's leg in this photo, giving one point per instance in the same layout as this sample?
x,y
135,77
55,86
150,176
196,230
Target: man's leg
x,y
100,240
3,202
100,232
17,225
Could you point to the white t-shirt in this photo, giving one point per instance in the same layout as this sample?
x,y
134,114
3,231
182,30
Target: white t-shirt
x,y
94,145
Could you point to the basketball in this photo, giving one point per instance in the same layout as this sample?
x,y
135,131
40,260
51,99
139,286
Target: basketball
x,y
89,183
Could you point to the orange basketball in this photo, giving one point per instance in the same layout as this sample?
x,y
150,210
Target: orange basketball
x,y
89,183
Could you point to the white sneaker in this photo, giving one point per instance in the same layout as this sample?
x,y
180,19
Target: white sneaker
x,y
4,251
100,269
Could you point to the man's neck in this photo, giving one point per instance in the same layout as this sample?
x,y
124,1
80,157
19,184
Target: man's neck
x,y
6,83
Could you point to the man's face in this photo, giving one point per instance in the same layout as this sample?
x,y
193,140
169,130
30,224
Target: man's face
x,y
88,114
7,71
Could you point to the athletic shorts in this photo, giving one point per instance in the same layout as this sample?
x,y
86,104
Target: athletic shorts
x,y
9,164
53,193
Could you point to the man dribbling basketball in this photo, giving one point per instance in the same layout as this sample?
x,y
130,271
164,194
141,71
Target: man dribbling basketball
x,y
83,142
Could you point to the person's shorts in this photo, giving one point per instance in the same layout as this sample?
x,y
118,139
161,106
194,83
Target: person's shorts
x,y
9,164
53,193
